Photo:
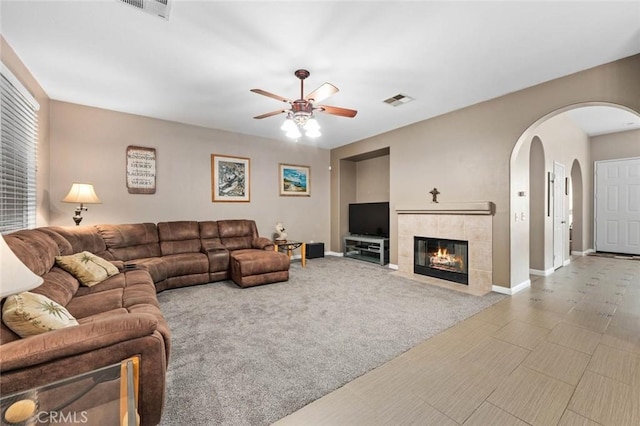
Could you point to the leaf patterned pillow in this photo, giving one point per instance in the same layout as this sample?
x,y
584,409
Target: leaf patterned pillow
x,y
28,314
88,268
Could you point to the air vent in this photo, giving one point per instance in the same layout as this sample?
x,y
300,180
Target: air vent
x,y
398,100
153,7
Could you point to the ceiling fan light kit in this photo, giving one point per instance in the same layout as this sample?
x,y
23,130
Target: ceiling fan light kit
x,y
301,113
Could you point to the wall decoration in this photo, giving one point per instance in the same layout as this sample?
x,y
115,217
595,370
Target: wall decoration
x,y
141,170
295,180
230,178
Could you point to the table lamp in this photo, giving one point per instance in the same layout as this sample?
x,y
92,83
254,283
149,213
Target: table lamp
x,y
15,277
82,193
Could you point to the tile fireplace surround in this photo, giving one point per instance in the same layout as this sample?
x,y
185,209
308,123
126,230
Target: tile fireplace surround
x,y
472,222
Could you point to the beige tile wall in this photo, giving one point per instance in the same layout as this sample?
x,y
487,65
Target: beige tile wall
x,y
476,229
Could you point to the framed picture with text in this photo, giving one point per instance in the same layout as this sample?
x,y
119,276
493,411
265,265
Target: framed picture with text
x,y
230,179
141,170
295,180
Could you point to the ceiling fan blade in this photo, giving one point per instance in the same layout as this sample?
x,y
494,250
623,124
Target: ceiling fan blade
x,y
271,95
342,112
269,114
322,93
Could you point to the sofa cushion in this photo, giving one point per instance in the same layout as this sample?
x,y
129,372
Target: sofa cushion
x,y
237,234
59,286
114,282
209,235
256,267
75,239
88,268
95,303
156,267
34,248
186,264
132,241
29,314
179,237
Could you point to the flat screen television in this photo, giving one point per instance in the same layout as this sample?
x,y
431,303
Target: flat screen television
x,y
369,219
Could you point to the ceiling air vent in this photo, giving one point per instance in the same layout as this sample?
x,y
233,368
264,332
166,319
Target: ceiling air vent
x,y
153,7
398,100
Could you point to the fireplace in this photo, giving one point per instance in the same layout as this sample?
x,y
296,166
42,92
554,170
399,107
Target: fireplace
x,y
441,258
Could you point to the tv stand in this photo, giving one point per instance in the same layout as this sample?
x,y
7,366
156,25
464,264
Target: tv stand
x,y
369,248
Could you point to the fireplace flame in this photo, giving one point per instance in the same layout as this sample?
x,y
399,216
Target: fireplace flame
x,y
443,259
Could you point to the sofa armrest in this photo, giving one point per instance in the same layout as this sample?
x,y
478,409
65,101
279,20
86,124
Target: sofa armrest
x,y
118,264
218,256
212,246
74,340
262,243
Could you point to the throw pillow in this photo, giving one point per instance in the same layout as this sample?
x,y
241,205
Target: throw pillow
x,y
88,268
28,314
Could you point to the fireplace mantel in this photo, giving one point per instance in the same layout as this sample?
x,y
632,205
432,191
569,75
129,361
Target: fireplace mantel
x,y
474,207
470,221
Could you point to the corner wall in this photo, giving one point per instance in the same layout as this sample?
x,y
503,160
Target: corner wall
x,y
89,145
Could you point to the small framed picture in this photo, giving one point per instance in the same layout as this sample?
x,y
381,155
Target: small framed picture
x,y
230,179
295,180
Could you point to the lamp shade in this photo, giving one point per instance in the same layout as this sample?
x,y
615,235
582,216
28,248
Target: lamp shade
x,y
82,193
15,277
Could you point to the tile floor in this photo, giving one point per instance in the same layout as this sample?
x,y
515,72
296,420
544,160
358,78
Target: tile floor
x,y
564,352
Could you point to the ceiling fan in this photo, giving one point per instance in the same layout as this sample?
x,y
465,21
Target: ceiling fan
x,y
300,114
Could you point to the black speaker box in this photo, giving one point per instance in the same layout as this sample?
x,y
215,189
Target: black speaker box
x,y
315,250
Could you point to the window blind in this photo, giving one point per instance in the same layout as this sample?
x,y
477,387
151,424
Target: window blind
x,y
18,155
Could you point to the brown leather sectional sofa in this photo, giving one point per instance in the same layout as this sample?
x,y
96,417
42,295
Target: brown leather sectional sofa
x,y
120,317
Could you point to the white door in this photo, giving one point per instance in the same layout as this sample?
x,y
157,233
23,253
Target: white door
x,y
617,201
559,219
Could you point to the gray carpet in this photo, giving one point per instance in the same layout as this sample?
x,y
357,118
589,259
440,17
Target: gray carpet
x,y
252,356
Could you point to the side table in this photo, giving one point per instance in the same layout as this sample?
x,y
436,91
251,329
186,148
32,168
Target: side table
x,y
290,246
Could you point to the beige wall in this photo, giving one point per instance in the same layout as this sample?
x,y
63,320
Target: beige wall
x,y
372,180
616,145
15,65
563,142
537,203
467,153
89,145
347,194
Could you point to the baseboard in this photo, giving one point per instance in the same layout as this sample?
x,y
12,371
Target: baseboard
x,y
540,273
333,253
392,266
582,253
513,290
566,262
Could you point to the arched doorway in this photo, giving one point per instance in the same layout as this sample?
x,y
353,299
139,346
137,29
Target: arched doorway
x,y
524,251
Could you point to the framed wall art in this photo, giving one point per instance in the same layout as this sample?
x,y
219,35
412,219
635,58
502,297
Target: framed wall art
x,y
141,170
295,180
230,179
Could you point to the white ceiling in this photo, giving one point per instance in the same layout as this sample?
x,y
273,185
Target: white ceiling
x,y
198,66
600,120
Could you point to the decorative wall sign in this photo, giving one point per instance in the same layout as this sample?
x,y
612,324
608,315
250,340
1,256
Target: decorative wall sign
x,y
295,180
141,170
230,178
